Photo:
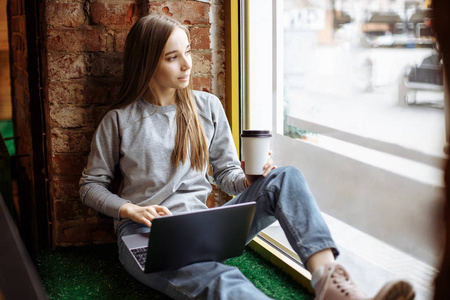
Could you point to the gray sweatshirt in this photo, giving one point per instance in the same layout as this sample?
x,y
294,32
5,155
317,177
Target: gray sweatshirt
x,y
139,139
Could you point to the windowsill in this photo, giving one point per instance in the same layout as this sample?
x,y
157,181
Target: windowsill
x,y
365,148
369,261
283,257
398,163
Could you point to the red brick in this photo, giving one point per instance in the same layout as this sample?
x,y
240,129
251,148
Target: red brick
x,y
201,63
202,84
107,64
64,14
82,231
66,188
210,202
217,198
68,66
88,90
71,116
200,38
187,12
72,209
68,165
70,141
119,40
76,40
115,14
98,114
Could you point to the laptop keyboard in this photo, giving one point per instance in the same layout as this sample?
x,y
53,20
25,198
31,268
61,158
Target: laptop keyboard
x,y
140,254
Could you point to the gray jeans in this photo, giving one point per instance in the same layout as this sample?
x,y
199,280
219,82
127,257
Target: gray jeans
x,y
284,196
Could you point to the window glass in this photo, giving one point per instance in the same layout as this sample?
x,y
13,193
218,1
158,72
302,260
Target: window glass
x,y
357,104
367,69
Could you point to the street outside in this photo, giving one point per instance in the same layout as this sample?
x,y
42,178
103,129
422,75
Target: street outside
x,y
360,91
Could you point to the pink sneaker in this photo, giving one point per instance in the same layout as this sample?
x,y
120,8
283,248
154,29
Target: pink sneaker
x,y
336,284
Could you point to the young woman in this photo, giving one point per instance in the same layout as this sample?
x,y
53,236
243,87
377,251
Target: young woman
x,y
162,136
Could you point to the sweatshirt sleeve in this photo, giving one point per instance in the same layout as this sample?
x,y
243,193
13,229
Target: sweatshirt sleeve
x,y
99,172
223,157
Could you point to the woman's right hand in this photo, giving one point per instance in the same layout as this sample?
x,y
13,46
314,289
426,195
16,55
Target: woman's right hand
x,y
143,214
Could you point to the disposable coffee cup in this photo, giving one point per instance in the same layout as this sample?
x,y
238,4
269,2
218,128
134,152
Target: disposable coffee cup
x,y
255,150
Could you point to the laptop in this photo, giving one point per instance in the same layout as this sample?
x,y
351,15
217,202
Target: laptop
x,y
214,234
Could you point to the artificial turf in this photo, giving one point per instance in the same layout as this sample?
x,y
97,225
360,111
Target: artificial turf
x,y
94,272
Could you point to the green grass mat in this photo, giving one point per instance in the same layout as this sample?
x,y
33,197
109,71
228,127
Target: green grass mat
x,y
6,128
94,272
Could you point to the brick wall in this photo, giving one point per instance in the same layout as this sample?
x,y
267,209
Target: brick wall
x,y
82,55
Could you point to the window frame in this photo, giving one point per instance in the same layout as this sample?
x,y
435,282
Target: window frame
x,y
238,110
262,243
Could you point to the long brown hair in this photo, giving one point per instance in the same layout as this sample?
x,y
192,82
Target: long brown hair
x,y
144,49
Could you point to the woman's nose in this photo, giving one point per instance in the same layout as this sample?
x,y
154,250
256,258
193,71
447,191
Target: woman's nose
x,y
187,63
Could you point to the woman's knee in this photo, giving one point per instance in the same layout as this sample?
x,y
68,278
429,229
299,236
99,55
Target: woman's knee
x,y
288,172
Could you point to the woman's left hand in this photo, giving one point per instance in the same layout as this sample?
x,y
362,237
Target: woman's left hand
x,y
269,166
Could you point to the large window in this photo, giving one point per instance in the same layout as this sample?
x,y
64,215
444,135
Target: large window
x,y
353,92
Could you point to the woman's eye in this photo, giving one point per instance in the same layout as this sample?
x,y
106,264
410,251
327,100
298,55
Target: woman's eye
x,y
172,58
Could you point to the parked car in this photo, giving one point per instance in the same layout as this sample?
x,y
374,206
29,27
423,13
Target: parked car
x,y
424,83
